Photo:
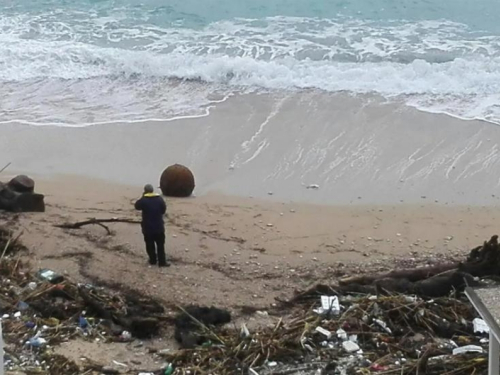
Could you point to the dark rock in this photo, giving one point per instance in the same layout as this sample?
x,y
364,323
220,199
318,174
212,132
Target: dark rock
x,y
143,328
22,184
21,202
7,197
26,202
177,181
7,193
109,371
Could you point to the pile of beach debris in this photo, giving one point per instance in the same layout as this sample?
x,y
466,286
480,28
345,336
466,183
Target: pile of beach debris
x,y
362,325
405,322
42,309
396,334
18,195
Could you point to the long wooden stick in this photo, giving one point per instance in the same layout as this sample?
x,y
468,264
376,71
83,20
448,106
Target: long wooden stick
x,y
4,168
99,222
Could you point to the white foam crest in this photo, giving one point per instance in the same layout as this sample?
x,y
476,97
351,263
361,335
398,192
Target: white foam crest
x,y
271,38
133,80
31,60
101,69
104,100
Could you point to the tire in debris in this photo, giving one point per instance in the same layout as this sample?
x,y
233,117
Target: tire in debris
x,y
22,184
177,181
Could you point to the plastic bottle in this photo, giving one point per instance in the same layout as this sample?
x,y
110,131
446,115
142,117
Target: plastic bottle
x,y
169,370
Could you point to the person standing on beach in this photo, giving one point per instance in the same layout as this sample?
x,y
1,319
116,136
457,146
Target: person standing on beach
x,y
153,208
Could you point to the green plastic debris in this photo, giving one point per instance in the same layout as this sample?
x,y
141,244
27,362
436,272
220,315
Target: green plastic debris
x,y
169,370
207,344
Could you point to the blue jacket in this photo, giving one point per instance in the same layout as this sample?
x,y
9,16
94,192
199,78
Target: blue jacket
x,y
153,208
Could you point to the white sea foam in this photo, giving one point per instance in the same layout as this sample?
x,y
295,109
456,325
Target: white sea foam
x,y
101,69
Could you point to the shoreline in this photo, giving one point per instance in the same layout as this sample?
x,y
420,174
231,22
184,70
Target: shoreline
x,y
356,152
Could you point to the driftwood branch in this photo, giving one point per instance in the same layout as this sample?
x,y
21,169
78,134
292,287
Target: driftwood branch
x,y
435,281
99,222
4,168
414,274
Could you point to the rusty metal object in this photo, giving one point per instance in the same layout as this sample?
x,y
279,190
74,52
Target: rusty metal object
x,y
177,181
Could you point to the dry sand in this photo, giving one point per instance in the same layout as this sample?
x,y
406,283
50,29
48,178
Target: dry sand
x,y
234,252
237,251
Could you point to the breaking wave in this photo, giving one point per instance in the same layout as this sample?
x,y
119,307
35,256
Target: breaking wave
x,y
102,69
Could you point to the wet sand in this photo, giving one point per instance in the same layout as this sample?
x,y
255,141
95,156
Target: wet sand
x,y
358,151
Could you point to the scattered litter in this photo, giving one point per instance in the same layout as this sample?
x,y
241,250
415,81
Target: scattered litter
x,y
384,333
383,325
119,364
244,332
350,347
341,334
468,349
126,336
324,332
330,303
377,367
22,306
39,310
50,276
82,322
36,342
480,326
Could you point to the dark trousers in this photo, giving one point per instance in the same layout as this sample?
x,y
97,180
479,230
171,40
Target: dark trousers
x,y
155,247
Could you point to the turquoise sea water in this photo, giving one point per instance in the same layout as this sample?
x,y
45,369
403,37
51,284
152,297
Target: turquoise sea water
x,y
480,15
86,61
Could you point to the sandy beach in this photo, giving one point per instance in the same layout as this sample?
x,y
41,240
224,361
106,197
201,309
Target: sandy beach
x,y
255,231
327,139
239,253
358,150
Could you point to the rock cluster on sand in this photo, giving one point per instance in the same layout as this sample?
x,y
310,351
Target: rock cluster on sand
x,y
177,181
19,196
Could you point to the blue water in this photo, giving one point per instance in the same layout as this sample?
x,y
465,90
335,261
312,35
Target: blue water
x,y
480,15
74,62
